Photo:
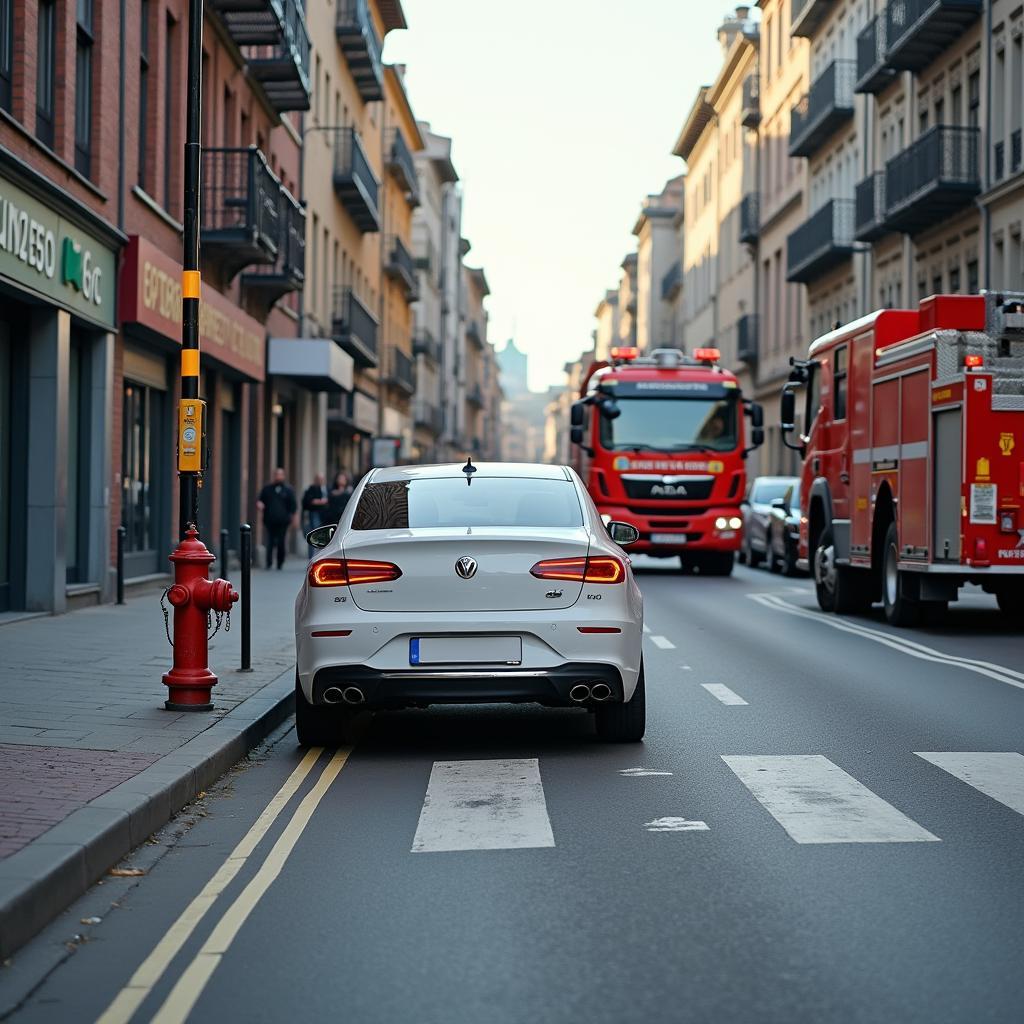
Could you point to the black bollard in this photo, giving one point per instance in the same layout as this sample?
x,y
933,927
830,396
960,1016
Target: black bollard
x,y
245,593
224,552
121,532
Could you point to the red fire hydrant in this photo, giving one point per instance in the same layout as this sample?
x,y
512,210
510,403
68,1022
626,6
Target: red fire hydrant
x,y
193,597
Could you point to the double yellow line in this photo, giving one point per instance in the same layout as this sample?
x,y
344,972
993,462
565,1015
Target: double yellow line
x,y
189,987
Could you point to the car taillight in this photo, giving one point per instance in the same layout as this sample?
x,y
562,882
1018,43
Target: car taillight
x,y
343,572
603,569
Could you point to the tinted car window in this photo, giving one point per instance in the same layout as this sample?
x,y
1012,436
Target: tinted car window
x,y
766,493
450,502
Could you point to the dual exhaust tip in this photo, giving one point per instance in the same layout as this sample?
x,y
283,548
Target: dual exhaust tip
x,y
582,692
350,695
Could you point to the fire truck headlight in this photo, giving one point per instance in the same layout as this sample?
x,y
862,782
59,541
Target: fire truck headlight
x,y
721,523
735,522
1008,521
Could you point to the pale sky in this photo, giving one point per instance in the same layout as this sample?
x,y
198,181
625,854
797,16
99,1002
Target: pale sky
x,y
563,115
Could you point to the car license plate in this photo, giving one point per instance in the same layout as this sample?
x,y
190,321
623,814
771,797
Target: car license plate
x,y
674,539
465,650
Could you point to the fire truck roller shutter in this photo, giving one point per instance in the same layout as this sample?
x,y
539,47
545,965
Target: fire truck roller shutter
x,y
946,519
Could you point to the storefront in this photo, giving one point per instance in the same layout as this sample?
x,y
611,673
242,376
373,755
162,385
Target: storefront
x,y
232,346
57,302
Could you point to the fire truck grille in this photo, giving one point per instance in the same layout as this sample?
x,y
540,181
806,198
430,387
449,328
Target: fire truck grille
x,y
658,490
697,510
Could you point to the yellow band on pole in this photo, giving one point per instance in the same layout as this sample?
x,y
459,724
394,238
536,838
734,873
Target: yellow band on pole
x,y
190,284
190,362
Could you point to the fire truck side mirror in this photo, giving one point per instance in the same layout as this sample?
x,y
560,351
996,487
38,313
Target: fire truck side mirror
x,y
577,414
788,416
576,435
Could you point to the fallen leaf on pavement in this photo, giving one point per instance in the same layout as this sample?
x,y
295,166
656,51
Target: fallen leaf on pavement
x,y
126,872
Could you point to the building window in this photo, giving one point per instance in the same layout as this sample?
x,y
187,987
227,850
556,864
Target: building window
x,y
144,111
46,71
937,283
954,279
839,384
6,51
169,157
973,99
972,277
83,88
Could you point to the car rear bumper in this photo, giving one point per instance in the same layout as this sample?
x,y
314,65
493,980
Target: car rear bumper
x,y
392,688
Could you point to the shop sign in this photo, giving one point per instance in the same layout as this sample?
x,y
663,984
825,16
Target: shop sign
x,y
42,251
151,296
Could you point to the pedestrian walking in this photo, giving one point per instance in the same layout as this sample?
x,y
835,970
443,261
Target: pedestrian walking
x,y
337,498
277,503
314,505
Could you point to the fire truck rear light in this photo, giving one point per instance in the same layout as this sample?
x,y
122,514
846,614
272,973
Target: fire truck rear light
x,y
973,361
1008,520
707,355
625,352
980,549
343,572
581,570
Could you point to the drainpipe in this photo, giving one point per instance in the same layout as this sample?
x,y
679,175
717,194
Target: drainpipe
x,y
120,122
986,134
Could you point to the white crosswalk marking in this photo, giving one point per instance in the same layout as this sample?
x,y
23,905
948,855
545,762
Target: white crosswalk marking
x,y
997,775
815,801
484,805
663,642
724,694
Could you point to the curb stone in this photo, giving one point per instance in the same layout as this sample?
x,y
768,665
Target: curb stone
x,y
40,881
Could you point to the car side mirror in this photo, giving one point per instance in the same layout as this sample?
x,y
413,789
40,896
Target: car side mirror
x,y
779,503
321,536
623,533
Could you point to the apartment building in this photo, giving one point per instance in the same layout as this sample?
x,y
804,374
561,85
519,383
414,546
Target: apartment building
x,y
719,294
90,164
671,285
655,257
606,333
436,232
474,329
627,300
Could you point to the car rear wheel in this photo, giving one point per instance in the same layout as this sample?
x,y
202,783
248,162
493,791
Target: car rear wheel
x,y
624,723
754,558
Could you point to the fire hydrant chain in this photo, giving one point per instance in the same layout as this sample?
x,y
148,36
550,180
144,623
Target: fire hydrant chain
x,y
167,618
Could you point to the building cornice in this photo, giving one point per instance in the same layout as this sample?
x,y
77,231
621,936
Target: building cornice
x,y
696,121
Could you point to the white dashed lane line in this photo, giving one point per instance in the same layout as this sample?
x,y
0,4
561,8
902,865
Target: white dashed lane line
x,y
663,642
724,694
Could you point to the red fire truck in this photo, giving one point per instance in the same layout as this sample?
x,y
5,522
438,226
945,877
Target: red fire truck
x,y
913,471
660,442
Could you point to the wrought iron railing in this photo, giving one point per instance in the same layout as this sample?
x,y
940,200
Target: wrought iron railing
x,y
355,181
825,238
943,156
750,218
827,103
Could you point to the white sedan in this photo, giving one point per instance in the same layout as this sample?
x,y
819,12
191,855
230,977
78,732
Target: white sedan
x,y
494,583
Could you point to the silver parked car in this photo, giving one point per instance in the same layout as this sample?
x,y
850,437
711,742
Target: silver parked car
x,y
757,511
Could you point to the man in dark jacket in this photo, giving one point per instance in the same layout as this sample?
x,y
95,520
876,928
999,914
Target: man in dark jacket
x,y
314,504
277,503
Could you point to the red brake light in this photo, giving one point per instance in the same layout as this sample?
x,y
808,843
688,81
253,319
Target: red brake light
x,y
973,361
604,569
707,355
625,352
342,572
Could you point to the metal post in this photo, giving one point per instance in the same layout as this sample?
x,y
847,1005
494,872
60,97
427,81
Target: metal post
x,y
121,531
245,556
224,551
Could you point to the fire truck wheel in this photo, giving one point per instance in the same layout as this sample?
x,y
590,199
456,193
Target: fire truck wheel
x,y
839,588
1012,605
899,610
716,563
624,723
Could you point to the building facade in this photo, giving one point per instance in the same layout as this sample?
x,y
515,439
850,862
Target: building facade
x,y
656,239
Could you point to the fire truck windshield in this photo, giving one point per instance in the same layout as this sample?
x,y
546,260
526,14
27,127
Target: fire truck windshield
x,y
671,425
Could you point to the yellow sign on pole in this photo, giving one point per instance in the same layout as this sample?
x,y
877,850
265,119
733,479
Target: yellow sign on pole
x,y
191,434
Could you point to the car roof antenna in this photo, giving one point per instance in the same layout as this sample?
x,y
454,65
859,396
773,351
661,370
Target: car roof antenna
x,y
469,469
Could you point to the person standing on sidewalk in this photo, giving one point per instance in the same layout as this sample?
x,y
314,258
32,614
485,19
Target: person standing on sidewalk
x,y
337,498
277,503
314,504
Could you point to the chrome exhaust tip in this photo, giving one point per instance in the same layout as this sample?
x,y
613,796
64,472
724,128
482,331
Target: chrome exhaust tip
x,y
333,695
353,695
601,691
579,693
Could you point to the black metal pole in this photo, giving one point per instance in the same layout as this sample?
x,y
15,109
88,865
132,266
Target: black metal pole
x,y
121,531
245,557
224,552
189,477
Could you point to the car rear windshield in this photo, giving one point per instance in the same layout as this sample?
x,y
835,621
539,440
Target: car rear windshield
x,y
451,502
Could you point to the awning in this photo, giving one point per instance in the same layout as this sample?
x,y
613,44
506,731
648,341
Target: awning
x,y
316,363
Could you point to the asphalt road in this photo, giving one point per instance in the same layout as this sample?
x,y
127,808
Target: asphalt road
x,y
785,854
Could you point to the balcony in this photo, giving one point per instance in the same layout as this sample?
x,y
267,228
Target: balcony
x,y
240,208
354,328
288,272
399,266
869,214
874,72
401,164
747,338
932,178
354,181
403,372
919,30
426,345
826,107
807,15
475,395
750,218
361,45
750,110
474,334
250,22
282,66
822,242
430,417
672,282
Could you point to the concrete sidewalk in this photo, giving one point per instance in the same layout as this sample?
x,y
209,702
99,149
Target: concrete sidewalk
x,y
91,763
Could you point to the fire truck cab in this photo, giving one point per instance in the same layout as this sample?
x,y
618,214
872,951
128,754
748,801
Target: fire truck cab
x,y
913,456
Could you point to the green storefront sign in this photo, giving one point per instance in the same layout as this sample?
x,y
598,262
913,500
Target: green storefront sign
x,y
44,252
